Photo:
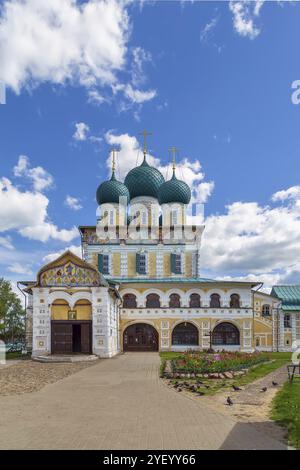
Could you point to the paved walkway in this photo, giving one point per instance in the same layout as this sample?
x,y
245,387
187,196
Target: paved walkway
x,y
120,403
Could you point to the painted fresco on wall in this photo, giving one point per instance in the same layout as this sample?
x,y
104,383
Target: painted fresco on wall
x,y
69,275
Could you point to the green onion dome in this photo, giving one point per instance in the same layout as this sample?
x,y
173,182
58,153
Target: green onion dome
x,y
144,180
110,191
174,190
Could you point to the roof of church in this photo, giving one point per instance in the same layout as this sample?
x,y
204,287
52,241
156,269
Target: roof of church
x,y
289,295
181,280
174,190
144,180
110,191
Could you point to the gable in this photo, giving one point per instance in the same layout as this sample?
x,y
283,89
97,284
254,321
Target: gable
x,y
69,270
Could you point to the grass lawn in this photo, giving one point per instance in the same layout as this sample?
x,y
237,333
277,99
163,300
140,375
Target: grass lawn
x,y
286,411
276,360
16,355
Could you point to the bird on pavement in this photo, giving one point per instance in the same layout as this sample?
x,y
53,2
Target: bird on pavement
x,y
236,388
274,383
264,389
229,401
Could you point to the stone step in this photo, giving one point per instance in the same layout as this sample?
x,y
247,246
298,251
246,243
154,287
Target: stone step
x,y
66,358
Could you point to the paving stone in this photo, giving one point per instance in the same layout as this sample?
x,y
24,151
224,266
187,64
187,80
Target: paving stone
x,y
120,403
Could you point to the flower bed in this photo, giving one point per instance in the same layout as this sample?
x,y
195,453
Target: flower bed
x,y
201,363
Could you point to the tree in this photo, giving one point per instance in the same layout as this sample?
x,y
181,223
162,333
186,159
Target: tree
x,y
12,314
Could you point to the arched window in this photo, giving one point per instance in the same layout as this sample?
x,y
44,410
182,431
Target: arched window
x,y
129,301
225,334
195,301
152,301
215,301
235,301
266,311
174,301
185,334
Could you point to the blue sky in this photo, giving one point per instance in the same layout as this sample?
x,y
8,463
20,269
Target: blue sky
x,y
212,78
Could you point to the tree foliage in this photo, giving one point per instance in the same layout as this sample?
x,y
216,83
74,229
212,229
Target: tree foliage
x,y
12,314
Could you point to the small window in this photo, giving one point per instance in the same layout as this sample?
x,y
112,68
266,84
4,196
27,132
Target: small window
x,y
176,263
129,301
111,218
287,321
103,263
266,311
257,342
235,301
174,301
215,301
152,301
195,301
141,263
174,217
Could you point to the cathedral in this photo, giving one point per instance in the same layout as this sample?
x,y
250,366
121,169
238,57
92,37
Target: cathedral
x,y
138,285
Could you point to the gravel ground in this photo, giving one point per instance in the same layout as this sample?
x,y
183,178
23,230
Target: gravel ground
x,y
29,376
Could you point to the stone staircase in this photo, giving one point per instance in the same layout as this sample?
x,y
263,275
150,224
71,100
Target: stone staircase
x,y
66,358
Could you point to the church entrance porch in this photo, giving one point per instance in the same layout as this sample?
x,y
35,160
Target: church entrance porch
x,y
140,337
71,337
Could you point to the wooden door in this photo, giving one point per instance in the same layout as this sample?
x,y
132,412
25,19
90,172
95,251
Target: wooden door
x,y
86,338
62,338
140,337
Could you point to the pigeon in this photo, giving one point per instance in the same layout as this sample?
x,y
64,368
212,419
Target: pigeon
x,y
229,401
274,383
264,389
236,388
179,389
207,386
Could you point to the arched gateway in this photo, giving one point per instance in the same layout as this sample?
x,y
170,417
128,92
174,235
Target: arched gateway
x,y
140,337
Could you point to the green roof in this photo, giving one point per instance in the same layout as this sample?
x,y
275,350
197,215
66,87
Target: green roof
x,y
289,295
174,190
144,180
110,191
160,280
190,280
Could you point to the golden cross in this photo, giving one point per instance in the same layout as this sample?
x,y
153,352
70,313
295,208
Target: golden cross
x,y
174,151
114,151
145,135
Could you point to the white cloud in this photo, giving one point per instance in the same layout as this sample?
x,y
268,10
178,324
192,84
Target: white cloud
x,y
140,57
62,40
81,131
6,243
46,230
26,212
130,155
262,242
208,28
138,96
244,17
40,178
290,193
18,268
70,42
73,203
134,95
76,249
95,97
